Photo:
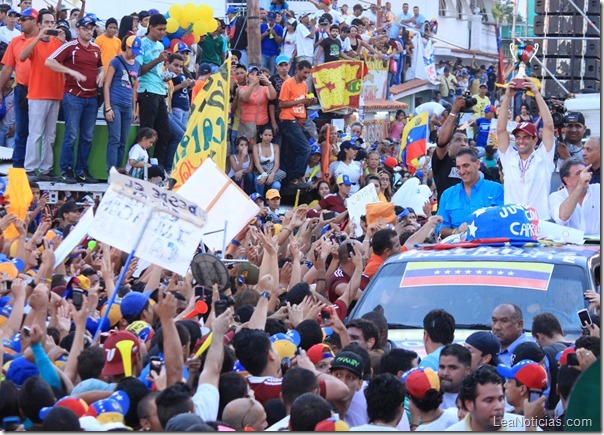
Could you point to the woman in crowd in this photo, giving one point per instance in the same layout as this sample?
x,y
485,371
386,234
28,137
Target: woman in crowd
x,y
347,165
266,162
386,183
395,129
254,98
524,116
242,166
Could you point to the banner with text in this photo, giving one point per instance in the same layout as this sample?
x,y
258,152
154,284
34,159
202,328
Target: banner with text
x,y
356,205
207,130
170,237
375,82
338,84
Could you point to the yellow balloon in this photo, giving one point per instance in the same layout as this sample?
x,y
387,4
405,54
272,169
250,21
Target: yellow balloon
x,y
200,28
184,22
206,13
212,24
190,11
175,12
172,25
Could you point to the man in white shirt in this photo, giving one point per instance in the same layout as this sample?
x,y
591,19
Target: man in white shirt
x,y
371,13
8,32
385,395
304,39
527,171
577,205
357,11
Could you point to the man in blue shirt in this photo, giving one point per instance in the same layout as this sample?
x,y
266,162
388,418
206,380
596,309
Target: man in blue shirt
x,y
439,331
272,36
417,19
153,110
483,126
507,324
473,193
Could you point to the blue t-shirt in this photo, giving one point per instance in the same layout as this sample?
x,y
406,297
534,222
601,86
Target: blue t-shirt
x,y
180,98
278,8
151,81
269,46
484,126
121,85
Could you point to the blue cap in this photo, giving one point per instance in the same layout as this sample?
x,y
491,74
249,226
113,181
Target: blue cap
x,y
252,68
29,12
348,144
282,59
515,222
315,149
181,46
12,11
20,370
486,342
344,179
271,16
85,22
256,196
419,173
231,10
204,69
135,43
133,304
404,213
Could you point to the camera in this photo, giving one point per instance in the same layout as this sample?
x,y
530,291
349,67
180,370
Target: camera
x,y
470,102
558,112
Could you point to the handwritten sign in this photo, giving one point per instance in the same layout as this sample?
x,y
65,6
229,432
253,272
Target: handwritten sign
x,y
222,199
356,205
338,84
172,232
207,130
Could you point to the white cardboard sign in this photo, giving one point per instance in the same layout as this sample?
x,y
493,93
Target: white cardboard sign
x,y
356,205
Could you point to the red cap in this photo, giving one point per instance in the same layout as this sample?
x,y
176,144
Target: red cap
x,y
420,380
564,355
319,352
527,127
332,425
390,162
114,364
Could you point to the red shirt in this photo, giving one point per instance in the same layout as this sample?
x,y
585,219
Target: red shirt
x,y
85,60
266,387
339,277
11,58
333,202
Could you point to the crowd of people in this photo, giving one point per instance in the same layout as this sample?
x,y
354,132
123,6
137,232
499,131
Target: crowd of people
x,y
274,349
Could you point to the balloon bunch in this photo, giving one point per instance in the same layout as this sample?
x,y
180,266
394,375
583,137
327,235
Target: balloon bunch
x,y
188,24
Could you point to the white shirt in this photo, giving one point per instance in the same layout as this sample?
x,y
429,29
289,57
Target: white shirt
x,y
138,154
345,43
351,17
446,419
373,428
585,217
353,170
370,15
534,190
206,400
448,401
281,424
7,35
513,424
356,416
304,45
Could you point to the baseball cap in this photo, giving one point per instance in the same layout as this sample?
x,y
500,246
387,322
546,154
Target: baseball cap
x,y
571,117
273,193
180,47
348,144
133,304
114,316
114,364
315,149
343,179
486,342
29,12
332,425
20,370
391,162
419,381
256,196
77,405
323,21
142,330
134,43
482,85
231,10
110,410
319,352
92,384
488,222
528,350
252,68
271,16
282,59
86,21
527,127
204,69
183,422
527,372
63,23
490,108
349,361
562,356
12,11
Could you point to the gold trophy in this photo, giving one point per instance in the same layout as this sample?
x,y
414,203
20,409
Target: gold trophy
x,y
522,54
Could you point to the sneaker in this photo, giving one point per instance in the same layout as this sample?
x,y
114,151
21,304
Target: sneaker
x,y
299,183
68,178
49,176
85,178
31,176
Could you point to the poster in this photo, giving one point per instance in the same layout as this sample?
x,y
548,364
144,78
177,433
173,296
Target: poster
x,y
338,84
356,205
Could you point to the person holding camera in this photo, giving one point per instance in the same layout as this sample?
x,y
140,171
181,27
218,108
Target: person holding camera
x,y
571,146
527,171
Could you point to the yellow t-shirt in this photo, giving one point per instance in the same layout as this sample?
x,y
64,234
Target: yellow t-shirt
x,y
110,47
480,106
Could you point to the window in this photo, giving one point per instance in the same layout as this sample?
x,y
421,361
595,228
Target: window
x,y
442,8
459,8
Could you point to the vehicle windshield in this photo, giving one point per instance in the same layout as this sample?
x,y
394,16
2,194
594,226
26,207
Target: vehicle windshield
x,y
408,291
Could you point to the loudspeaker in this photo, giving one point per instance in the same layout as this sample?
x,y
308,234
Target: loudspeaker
x,y
591,48
551,89
590,69
593,85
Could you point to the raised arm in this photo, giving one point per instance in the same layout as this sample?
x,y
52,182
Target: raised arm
x,y
503,137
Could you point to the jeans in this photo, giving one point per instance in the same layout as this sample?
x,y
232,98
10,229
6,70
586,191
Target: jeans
x,y
43,116
118,130
8,142
260,188
181,116
295,150
247,183
21,126
177,131
153,113
270,62
80,113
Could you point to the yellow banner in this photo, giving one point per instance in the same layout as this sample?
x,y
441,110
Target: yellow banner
x,y
207,130
338,84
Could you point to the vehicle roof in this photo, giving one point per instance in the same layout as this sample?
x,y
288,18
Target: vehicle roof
x,y
567,254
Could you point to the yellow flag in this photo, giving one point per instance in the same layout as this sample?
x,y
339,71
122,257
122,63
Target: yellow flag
x,y
207,129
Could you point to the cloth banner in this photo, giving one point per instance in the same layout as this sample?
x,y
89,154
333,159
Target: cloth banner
x,y
415,138
170,237
338,84
207,129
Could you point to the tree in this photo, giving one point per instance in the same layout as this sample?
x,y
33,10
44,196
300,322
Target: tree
x,y
503,11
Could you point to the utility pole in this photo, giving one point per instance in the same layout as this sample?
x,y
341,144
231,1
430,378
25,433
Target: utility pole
x,y
253,32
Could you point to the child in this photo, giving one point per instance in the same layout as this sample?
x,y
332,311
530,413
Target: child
x,y
37,210
138,158
176,92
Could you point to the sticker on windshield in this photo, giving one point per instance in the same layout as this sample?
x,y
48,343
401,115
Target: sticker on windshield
x,y
534,276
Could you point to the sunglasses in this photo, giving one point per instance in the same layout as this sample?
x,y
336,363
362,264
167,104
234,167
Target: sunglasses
x,y
25,18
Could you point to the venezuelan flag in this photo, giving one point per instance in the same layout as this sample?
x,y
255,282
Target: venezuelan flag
x,y
414,138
